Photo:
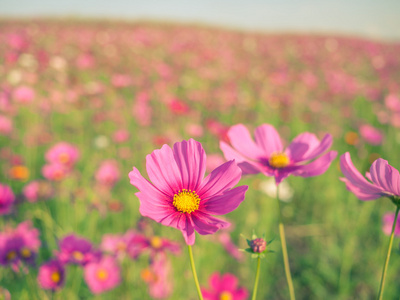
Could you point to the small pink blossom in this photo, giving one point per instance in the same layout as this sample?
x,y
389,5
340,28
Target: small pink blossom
x,y
103,275
108,173
77,250
121,136
24,94
306,156
63,153
54,171
387,224
158,278
371,135
6,125
51,275
224,287
7,199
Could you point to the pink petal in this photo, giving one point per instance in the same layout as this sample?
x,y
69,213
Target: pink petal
x,y
163,170
301,144
247,166
222,178
215,282
191,160
385,176
325,144
153,203
268,139
355,182
185,224
225,203
241,140
317,167
229,282
206,224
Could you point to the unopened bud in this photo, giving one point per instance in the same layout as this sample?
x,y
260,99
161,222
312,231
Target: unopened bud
x,y
258,245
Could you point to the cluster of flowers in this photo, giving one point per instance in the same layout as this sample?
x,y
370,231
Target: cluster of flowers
x,y
19,245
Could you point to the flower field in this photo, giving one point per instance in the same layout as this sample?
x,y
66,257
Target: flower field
x,y
123,145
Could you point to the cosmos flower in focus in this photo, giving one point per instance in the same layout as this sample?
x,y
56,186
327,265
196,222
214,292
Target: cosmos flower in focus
x,y
306,156
179,195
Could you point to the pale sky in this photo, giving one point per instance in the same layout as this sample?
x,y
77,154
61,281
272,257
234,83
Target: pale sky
x,y
370,18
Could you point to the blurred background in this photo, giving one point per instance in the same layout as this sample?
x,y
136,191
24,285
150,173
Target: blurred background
x,y
89,88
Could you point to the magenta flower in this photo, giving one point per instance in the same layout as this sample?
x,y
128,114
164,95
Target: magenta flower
x,y
371,135
77,250
385,180
108,173
103,275
224,287
387,224
158,277
117,244
51,275
155,245
180,197
7,199
63,153
303,157
54,171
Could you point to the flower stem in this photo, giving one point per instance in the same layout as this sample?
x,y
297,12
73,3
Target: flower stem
x,y
196,280
284,250
385,266
257,278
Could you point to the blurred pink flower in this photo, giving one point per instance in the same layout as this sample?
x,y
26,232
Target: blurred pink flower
x,y
85,61
226,241
103,275
51,275
6,125
7,199
54,171
224,287
117,244
371,135
108,173
121,135
387,224
385,179
37,190
213,161
180,197
392,102
121,80
158,277
303,157
77,250
194,130
178,107
24,94
63,153
155,245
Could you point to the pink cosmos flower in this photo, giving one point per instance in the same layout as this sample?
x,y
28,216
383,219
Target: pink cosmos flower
x,y
54,171
63,153
158,278
179,196
37,190
24,94
117,244
371,135
103,275
77,250
7,199
121,135
51,275
303,157
224,287
387,224
155,245
6,125
385,179
108,173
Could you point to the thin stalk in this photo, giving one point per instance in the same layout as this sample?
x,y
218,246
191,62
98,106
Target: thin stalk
x,y
257,278
385,266
284,249
196,280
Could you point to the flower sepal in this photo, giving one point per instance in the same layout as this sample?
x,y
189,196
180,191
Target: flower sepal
x,y
258,246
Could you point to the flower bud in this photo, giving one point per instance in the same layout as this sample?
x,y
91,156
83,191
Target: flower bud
x,y
258,245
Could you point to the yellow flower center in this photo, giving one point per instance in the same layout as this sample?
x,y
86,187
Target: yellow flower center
x,y
26,253
63,158
186,201
278,160
121,246
19,172
11,255
102,274
225,296
156,242
55,277
147,275
78,255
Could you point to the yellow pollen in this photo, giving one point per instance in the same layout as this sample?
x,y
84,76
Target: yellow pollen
x,y
186,201
225,296
102,274
156,242
55,277
11,255
278,160
78,255
63,158
25,252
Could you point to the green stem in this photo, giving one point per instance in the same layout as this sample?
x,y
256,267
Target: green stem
x,y
257,278
196,280
385,266
284,249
